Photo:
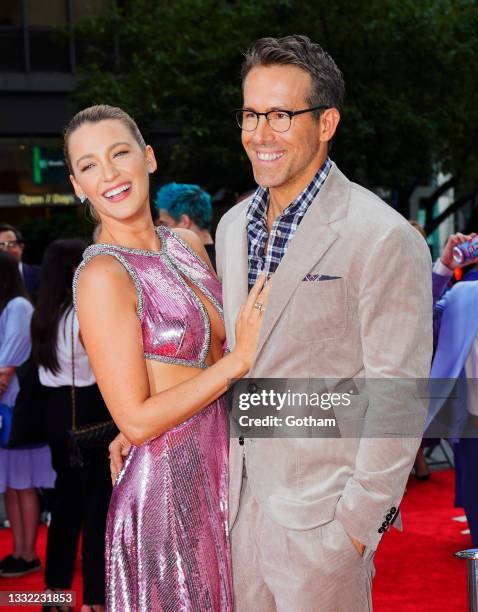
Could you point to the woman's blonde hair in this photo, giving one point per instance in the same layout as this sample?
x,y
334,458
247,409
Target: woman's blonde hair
x,y
95,114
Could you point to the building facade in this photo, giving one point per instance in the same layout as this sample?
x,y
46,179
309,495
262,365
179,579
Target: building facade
x,y
39,57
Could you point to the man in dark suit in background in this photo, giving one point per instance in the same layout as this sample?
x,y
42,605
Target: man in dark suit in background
x,y
11,241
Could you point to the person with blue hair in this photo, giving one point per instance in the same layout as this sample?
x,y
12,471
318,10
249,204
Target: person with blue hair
x,y
190,207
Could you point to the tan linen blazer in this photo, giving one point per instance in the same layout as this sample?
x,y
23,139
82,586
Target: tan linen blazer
x,y
374,321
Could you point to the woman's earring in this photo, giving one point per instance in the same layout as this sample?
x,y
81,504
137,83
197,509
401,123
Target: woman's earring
x,y
82,198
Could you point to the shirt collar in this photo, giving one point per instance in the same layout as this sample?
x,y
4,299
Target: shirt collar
x,y
258,205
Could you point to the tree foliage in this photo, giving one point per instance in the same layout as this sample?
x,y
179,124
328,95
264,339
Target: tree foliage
x,y
410,70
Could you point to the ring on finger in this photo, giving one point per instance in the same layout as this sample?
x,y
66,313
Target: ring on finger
x,y
259,306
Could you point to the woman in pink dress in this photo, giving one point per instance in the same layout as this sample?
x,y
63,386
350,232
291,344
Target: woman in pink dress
x,y
151,320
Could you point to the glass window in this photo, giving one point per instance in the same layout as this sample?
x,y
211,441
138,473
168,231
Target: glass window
x,y
29,166
10,13
11,36
14,165
49,50
48,35
50,13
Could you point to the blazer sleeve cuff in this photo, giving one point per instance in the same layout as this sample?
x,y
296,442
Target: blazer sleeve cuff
x,y
369,525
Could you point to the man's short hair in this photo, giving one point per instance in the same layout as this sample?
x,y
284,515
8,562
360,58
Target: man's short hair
x,y
6,227
328,85
184,199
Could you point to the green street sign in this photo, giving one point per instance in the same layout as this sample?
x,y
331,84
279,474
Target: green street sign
x,y
48,166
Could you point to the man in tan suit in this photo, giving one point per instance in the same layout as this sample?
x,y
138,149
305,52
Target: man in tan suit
x,y
350,298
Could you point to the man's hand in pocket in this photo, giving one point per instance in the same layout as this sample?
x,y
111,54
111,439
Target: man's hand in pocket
x,y
358,545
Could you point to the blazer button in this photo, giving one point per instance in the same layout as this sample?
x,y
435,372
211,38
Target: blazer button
x,y
389,516
381,530
384,525
252,387
241,440
393,510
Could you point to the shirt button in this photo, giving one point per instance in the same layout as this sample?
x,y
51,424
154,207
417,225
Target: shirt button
x,y
278,233
241,440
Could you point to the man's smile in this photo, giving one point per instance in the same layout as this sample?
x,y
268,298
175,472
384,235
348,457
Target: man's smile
x,y
271,156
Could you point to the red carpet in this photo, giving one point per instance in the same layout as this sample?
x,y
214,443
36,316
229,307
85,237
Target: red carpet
x,y
33,582
416,570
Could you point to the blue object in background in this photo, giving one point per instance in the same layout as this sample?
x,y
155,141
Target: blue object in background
x,y
6,413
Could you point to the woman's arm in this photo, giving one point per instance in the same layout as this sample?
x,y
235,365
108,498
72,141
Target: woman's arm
x,y
442,273
16,346
6,375
111,332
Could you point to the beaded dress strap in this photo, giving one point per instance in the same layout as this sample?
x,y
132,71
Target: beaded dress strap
x,y
101,249
169,233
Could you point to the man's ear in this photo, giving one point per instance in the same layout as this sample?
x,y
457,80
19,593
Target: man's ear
x,y
329,121
185,221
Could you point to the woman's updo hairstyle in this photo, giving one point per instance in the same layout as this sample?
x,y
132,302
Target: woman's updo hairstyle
x,y
95,114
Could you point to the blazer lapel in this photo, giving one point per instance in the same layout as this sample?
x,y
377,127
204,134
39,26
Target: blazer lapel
x,y
311,241
235,275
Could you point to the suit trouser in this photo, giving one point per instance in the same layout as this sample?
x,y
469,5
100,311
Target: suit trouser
x,y
276,569
466,460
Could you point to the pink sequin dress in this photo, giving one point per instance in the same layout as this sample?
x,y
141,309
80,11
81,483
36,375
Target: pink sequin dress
x,y
167,545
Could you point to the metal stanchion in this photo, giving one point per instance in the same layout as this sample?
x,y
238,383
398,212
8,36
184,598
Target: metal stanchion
x,y
471,556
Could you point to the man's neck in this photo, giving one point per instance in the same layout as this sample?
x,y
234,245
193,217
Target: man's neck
x,y
282,196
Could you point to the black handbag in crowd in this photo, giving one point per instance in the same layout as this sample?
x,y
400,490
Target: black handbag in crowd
x,y
91,439
28,414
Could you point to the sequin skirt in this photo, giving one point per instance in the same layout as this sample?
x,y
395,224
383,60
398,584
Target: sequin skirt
x,y
167,545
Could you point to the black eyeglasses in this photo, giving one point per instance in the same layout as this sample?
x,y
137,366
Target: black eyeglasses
x,y
278,120
8,244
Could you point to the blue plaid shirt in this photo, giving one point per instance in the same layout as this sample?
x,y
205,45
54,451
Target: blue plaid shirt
x,y
283,228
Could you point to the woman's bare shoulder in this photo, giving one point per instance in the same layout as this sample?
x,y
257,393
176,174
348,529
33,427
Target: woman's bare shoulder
x,y
103,276
102,268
